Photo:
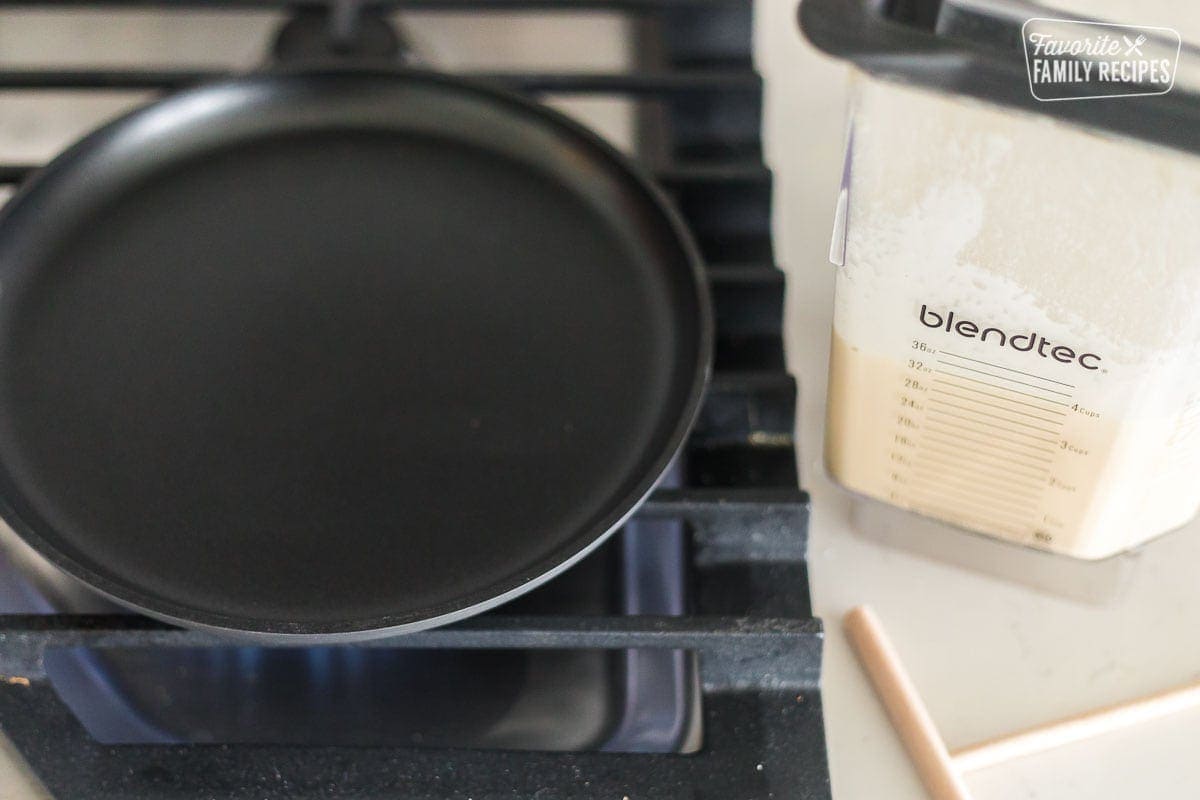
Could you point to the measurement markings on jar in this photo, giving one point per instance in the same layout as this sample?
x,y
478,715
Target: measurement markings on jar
x,y
1001,377
977,442
997,478
1000,373
1005,493
1006,369
966,505
1008,512
1032,443
1001,407
935,471
958,480
971,520
1017,418
982,472
989,445
989,462
981,484
980,412
1003,468
1005,388
959,449
1004,428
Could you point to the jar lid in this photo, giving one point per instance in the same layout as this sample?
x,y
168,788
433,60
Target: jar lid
x,y
999,51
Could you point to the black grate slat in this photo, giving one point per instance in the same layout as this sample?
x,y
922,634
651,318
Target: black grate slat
x,y
737,526
728,205
748,303
735,653
714,113
772,721
105,79
713,35
683,179
623,83
754,409
758,646
16,173
743,465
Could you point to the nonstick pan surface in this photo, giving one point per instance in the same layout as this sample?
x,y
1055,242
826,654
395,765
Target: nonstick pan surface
x,y
341,353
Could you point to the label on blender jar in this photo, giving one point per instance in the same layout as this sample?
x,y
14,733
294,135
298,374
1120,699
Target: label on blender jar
x,y
1001,359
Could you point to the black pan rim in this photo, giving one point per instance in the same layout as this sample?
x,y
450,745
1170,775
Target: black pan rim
x,y
548,567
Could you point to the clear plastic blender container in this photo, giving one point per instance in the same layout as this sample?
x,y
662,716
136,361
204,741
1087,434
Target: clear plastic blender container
x,y
1016,338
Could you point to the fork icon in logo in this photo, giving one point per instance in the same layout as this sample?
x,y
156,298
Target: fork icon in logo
x,y
1134,46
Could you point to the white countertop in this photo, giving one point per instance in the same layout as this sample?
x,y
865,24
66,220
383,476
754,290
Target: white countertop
x,y
996,638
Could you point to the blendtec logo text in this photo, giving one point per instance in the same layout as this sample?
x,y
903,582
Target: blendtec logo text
x,y
1021,342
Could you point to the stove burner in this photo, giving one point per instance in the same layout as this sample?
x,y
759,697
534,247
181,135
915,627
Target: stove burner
x,y
536,699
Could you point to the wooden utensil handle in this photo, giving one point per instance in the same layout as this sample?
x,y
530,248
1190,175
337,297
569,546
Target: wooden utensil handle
x,y
904,706
1076,728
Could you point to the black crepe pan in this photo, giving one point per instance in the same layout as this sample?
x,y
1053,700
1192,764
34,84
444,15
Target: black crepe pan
x,y
334,354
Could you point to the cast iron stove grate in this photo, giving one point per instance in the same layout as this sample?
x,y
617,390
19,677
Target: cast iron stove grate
x,y
698,104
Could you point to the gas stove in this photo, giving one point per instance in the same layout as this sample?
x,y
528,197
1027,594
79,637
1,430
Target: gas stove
x,y
680,659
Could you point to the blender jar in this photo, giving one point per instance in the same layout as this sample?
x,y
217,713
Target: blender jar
x,y
1017,323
